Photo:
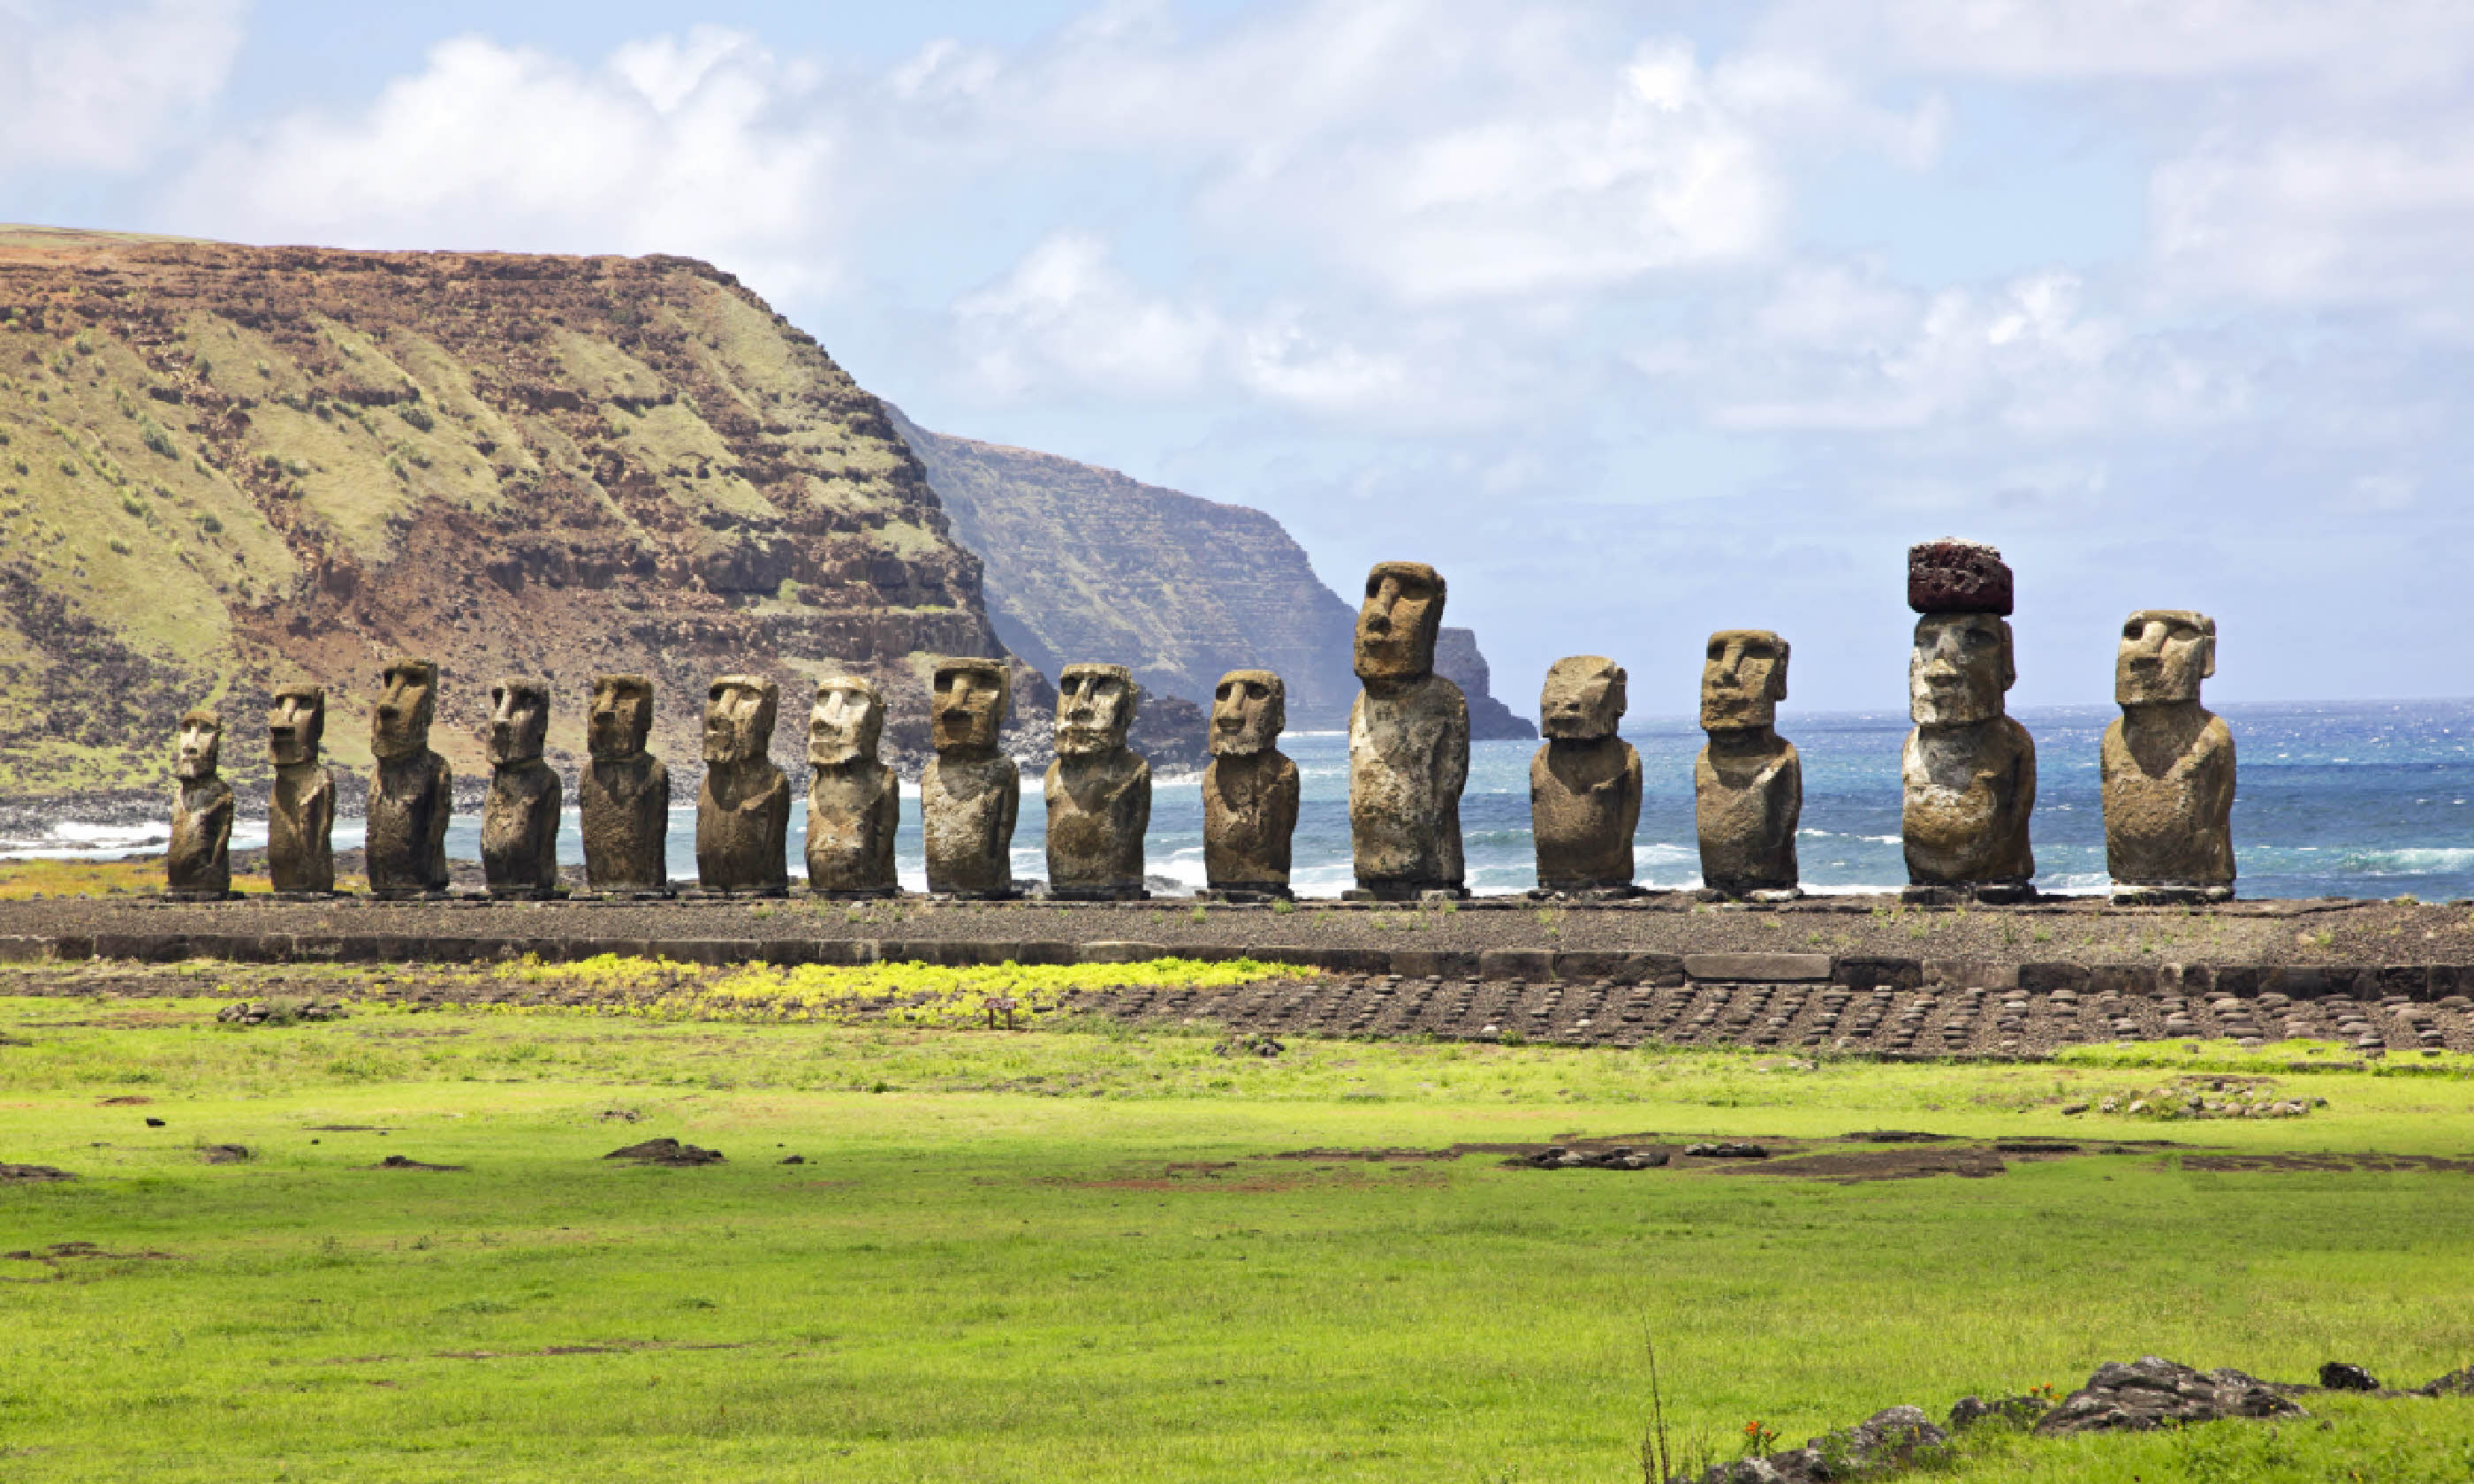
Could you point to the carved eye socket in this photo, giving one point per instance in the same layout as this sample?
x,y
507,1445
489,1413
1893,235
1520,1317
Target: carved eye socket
x,y
1717,650
2134,629
1255,690
1224,692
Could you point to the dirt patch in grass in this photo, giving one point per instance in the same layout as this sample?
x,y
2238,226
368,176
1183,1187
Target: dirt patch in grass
x,y
31,1174
59,1252
124,1102
396,1162
2325,1164
1851,1167
666,1151
224,1154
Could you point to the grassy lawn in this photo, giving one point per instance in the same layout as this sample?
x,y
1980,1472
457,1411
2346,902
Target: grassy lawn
x,y
1066,1253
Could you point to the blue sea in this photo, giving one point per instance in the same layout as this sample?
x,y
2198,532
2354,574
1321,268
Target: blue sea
x,y
2351,799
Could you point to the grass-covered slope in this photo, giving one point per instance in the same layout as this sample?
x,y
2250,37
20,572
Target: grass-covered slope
x,y
1101,1257
222,467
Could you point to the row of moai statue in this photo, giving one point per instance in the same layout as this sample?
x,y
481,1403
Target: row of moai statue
x,y
1968,773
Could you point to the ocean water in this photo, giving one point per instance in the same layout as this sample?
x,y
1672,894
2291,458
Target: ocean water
x,y
2334,798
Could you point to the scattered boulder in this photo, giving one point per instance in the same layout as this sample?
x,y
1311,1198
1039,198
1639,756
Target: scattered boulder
x,y
29,1174
796,1159
2337,1375
1725,1151
2019,1411
1556,1157
2152,1392
1249,1043
224,1154
154,1123
621,1116
281,1010
666,1151
1890,1439
396,1162
2456,1383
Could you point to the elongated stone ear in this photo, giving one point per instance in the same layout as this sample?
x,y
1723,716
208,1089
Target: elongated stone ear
x,y
1778,672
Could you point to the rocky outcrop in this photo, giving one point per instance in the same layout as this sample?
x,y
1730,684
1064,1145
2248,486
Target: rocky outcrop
x,y
1457,661
1085,563
222,467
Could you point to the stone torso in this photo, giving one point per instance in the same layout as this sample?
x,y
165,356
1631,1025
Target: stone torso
x,y
299,829
406,845
519,827
627,809
2169,797
1408,757
853,811
1583,806
743,828
1250,813
1969,792
199,859
966,812
1746,805
1099,807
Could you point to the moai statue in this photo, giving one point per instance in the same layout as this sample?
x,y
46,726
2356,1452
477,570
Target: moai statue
x,y
969,794
854,800
2168,766
1969,771
625,792
519,820
412,791
1584,782
1408,742
1249,789
197,867
1099,789
743,810
1748,784
300,812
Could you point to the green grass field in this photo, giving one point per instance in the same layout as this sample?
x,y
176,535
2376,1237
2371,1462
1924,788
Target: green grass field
x,y
1074,1255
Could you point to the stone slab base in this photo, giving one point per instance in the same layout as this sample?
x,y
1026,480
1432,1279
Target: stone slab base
x,y
738,894
869,894
527,894
624,894
439,894
2136,894
1407,891
1248,891
1584,891
975,896
1961,894
188,897
1098,894
1767,896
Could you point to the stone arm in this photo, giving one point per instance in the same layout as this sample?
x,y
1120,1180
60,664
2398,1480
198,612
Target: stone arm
x,y
1280,808
2022,769
1009,808
1451,763
317,811
1790,781
442,779
1141,785
1631,781
889,819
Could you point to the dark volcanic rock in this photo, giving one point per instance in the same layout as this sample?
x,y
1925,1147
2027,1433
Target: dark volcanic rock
x,y
1457,659
666,1151
2150,1392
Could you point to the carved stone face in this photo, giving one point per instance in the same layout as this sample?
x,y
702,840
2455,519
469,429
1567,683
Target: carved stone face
x,y
621,716
519,720
1742,679
969,707
1959,670
201,745
1095,706
2165,653
1397,624
1248,710
1584,697
408,695
846,721
296,724
739,711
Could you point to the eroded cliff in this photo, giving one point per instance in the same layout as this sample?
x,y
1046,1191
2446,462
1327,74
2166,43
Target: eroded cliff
x,y
222,467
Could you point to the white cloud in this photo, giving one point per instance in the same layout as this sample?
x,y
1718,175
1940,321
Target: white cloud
x,y
695,145
1067,316
103,86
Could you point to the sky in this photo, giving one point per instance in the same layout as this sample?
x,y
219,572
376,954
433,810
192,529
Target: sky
x,y
1636,320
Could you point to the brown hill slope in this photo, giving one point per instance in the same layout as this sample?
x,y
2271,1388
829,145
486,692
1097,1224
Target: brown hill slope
x,y
222,467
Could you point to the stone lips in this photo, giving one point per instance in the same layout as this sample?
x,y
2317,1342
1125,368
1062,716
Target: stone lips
x,y
1952,576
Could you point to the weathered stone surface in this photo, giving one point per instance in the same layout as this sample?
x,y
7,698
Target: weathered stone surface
x,y
519,817
743,809
301,808
1748,782
1408,740
1098,791
625,791
2152,1392
198,861
411,791
1968,771
2168,763
1757,968
1890,1441
1250,788
1952,576
1584,782
969,795
854,797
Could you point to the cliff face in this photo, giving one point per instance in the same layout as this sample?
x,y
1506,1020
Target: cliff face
x,y
1457,659
224,467
1085,563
